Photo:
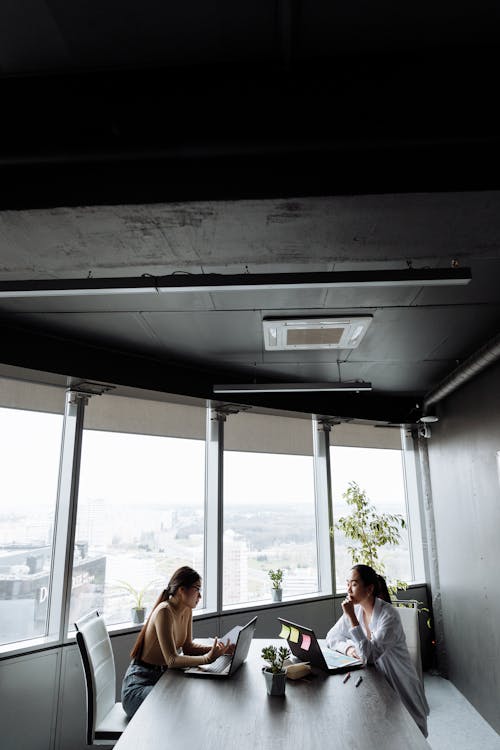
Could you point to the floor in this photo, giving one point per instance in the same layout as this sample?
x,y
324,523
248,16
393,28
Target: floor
x,y
453,723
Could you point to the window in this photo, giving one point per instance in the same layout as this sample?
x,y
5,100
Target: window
x,y
380,473
30,445
140,503
269,510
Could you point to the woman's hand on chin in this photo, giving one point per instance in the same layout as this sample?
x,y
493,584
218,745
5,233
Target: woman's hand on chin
x,y
348,606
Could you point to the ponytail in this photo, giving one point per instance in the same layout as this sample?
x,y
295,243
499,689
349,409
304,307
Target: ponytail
x,y
382,590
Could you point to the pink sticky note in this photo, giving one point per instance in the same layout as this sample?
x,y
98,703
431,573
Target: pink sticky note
x,y
306,642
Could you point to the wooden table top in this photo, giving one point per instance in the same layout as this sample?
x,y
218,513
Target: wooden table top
x,y
190,713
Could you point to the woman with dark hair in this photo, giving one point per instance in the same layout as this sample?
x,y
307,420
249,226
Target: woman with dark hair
x,y
166,639
370,629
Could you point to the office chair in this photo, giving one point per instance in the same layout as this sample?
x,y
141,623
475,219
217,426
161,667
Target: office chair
x,y
106,718
409,621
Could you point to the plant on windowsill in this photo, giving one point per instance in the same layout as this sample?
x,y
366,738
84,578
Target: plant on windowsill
x,y
274,674
276,577
138,610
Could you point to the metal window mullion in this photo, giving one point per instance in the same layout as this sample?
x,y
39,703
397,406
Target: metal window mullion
x,y
323,506
65,520
214,518
415,517
220,514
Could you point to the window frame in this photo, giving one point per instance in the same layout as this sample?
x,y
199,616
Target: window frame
x,y
411,509
59,631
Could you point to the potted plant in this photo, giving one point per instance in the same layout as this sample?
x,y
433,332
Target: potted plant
x,y
274,674
369,531
138,611
276,577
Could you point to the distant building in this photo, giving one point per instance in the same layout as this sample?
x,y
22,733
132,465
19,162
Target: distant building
x,y
235,580
25,583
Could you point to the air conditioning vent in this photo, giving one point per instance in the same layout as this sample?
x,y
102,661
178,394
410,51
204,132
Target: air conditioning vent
x,y
314,333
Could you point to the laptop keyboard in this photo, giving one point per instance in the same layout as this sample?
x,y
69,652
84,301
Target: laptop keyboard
x,y
219,665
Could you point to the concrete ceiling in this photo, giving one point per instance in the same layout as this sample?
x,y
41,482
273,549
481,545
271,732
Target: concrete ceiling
x,y
271,137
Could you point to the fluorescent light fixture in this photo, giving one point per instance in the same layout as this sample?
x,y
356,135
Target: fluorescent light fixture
x,y
291,387
216,282
76,287
314,333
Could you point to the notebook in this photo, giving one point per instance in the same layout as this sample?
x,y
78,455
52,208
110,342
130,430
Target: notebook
x,y
227,664
305,646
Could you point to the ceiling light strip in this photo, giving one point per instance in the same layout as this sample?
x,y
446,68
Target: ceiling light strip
x,y
214,282
291,387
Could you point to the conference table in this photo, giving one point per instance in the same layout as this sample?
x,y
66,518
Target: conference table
x,y
190,713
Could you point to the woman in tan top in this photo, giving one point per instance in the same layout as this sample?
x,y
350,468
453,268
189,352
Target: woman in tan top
x,y
166,639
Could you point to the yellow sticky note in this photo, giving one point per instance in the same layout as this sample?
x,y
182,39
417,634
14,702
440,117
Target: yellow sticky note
x,y
285,631
294,635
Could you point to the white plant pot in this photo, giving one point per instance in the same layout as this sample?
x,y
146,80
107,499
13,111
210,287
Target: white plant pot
x,y
275,682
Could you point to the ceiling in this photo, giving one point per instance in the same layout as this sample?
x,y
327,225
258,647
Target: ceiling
x,y
250,138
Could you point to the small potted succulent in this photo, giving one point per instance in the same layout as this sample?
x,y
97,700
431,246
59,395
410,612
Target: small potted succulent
x,y
276,577
138,611
274,674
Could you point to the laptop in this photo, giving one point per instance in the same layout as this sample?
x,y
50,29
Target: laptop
x,y
305,646
227,664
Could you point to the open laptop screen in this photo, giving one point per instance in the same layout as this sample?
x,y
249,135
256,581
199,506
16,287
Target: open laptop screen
x,y
304,645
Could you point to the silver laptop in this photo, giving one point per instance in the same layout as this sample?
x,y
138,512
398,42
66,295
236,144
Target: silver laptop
x,y
227,664
305,646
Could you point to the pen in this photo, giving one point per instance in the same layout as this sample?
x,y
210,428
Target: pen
x,y
358,681
346,677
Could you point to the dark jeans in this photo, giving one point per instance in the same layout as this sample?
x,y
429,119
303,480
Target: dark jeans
x,y
139,680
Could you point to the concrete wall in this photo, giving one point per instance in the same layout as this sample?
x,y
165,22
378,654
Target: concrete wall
x,y
42,695
466,496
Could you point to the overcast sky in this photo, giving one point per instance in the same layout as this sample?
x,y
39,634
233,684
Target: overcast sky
x,y
124,469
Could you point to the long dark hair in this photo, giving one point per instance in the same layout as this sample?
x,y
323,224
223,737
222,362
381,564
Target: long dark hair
x,y
183,577
369,576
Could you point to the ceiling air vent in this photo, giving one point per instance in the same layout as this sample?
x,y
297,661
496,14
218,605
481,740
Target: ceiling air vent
x,y
314,333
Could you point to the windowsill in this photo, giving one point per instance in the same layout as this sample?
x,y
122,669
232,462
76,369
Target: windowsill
x,y
33,645
266,604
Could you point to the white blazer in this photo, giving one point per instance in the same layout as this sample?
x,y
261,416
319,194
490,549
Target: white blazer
x,y
388,651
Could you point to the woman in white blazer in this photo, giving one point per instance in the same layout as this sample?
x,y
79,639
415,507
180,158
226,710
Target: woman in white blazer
x,y
370,629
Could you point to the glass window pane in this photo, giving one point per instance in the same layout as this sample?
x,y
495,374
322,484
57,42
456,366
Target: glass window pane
x,y
30,446
380,473
140,516
269,513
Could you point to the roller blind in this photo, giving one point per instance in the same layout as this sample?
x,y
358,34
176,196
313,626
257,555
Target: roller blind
x,y
365,436
140,416
21,394
263,433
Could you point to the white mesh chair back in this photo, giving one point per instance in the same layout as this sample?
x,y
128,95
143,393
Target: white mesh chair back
x,y
106,719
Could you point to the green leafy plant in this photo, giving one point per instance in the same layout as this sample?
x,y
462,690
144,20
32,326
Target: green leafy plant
x,y
275,657
276,577
136,594
370,531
